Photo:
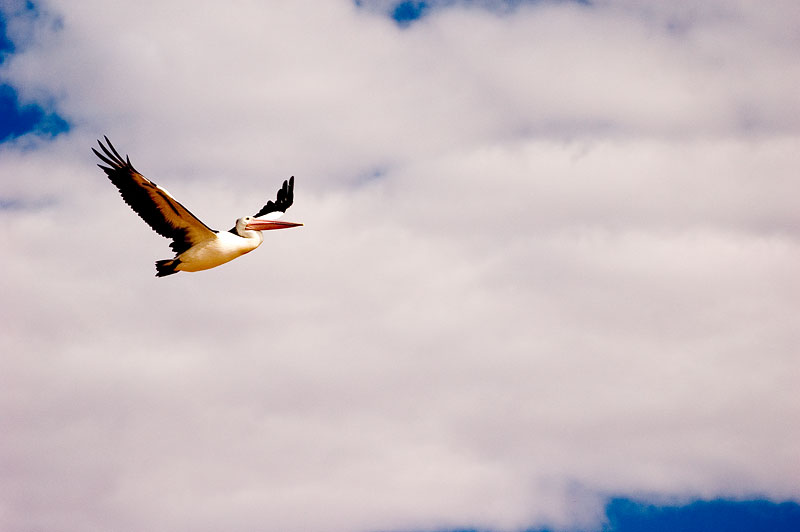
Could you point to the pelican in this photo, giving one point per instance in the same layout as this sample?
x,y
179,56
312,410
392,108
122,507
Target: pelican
x,y
197,247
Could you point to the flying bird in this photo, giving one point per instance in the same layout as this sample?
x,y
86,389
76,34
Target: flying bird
x,y
196,246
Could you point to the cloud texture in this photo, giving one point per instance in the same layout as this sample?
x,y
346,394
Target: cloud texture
x,y
550,256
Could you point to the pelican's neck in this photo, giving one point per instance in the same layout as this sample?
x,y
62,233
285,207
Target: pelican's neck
x,y
251,235
240,229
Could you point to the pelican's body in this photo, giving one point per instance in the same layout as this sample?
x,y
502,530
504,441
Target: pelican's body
x,y
197,246
222,248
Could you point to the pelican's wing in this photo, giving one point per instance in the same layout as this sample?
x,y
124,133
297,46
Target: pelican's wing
x,y
152,203
282,202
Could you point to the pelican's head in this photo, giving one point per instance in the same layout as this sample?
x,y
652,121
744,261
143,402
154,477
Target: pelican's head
x,y
248,223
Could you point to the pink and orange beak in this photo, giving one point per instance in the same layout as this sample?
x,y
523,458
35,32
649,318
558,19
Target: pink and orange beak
x,y
265,225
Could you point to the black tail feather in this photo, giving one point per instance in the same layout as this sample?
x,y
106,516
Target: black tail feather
x,y
166,267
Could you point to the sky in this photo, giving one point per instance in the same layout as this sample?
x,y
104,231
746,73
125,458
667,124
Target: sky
x,y
547,278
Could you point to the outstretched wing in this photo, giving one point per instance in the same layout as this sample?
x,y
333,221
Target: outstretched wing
x,y
152,203
284,201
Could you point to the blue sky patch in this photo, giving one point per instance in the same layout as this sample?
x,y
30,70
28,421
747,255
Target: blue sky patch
x,y
6,46
626,515
17,119
405,12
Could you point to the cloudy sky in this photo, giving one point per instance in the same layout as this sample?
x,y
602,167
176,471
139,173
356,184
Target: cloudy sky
x,y
550,260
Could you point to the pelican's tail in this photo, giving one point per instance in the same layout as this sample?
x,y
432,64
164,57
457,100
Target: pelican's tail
x,y
166,267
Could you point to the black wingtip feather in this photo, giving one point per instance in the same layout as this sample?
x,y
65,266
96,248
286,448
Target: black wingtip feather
x,y
112,156
116,159
106,169
283,201
113,149
105,159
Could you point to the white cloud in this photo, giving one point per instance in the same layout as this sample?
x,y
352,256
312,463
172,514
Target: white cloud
x,y
548,256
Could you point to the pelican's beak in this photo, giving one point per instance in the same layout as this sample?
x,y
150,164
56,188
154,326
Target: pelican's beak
x,y
265,225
